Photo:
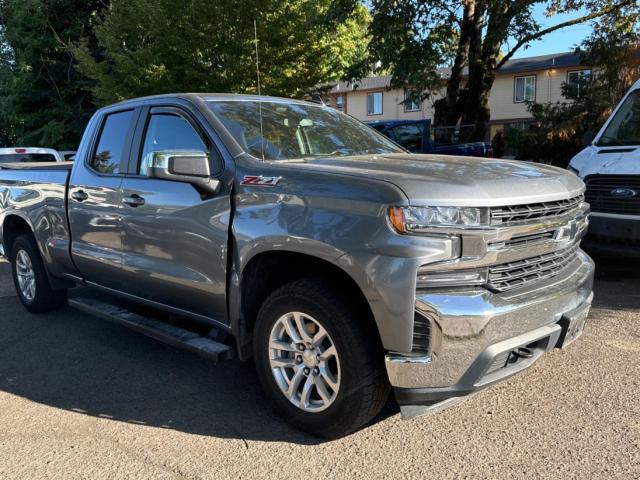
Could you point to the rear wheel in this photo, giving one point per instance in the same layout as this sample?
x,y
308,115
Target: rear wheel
x,y
320,367
30,277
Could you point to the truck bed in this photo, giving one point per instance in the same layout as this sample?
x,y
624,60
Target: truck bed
x,y
36,193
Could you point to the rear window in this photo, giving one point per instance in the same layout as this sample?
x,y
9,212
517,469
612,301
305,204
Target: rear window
x,y
410,136
26,157
111,145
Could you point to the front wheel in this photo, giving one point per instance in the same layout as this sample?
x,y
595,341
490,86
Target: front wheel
x,y
30,277
320,367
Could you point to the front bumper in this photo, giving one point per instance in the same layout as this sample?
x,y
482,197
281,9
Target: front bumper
x,y
478,331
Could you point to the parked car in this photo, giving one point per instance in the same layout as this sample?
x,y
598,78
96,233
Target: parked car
x,y
32,154
304,239
418,136
610,167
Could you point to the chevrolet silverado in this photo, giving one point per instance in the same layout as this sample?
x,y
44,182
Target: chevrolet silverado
x,y
292,234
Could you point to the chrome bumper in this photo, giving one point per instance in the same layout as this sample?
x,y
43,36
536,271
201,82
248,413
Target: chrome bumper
x,y
478,326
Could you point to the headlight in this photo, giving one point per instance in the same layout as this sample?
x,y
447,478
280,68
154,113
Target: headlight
x,y
420,219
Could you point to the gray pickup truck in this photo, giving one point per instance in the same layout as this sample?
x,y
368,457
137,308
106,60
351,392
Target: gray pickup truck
x,y
299,237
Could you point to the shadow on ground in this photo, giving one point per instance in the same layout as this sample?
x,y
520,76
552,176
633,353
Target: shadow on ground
x,y
617,283
72,361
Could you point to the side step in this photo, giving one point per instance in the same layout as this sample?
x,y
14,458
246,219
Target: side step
x,y
159,330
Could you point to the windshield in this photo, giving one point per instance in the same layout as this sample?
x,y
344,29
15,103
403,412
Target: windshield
x,y
624,127
293,130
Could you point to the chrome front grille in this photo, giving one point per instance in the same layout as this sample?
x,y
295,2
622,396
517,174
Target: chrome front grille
x,y
519,213
523,240
520,273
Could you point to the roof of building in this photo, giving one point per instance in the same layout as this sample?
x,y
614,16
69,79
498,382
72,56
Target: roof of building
x,y
542,62
518,65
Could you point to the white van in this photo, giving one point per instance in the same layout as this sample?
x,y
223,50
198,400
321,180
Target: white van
x,y
610,167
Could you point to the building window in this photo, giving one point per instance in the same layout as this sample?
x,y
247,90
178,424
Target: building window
x,y
524,89
411,105
578,79
374,103
340,103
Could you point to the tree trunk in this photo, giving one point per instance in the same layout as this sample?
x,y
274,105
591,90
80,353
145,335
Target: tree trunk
x,y
482,72
453,109
471,108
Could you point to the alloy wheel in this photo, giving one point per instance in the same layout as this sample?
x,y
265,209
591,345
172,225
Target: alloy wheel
x,y
26,275
304,362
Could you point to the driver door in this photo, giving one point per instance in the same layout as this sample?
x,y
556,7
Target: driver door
x,y
174,238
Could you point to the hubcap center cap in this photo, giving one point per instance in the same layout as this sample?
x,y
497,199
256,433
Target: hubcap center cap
x,y
309,358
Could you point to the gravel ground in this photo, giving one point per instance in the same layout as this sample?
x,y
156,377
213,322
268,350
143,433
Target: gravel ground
x,y
84,398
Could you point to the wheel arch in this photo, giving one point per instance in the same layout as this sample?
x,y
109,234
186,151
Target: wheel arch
x,y
14,225
268,270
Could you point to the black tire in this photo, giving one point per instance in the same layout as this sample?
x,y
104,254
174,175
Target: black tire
x,y
364,386
45,298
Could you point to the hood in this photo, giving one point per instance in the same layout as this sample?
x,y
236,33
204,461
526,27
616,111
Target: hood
x,y
611,161
440,180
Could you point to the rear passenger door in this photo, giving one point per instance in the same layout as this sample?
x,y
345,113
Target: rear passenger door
x,y
174,237
95,205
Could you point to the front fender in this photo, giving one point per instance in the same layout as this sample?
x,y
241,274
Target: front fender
x,y
353,236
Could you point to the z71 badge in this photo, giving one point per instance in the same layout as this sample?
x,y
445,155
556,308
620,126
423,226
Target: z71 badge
x,y
260,181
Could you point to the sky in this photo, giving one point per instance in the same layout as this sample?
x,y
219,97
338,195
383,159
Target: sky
x,y
563,40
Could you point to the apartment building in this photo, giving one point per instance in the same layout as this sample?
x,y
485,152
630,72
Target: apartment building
x,y
537,79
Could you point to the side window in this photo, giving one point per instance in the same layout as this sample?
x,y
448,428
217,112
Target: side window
x,y
111,143
168,132
525,89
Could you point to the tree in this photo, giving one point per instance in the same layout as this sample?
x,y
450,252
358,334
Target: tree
x,y
158,46
45,101
413,38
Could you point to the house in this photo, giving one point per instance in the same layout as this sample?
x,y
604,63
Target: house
x,y
538,79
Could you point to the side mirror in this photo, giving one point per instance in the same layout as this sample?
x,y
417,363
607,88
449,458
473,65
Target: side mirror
x,y
189,166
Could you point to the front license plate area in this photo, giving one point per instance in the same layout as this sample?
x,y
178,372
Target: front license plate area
x,y
573,324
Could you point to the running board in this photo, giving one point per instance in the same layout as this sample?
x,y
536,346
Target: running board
x,y
156,329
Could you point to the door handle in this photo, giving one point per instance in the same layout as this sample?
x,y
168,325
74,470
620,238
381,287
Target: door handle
x,y
80,195
133,201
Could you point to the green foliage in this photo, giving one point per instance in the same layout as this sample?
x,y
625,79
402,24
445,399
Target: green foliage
x,y
412,39
543,144
158,46
45,101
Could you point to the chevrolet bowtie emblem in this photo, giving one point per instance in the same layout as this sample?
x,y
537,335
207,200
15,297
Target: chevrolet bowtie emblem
x,y
566,232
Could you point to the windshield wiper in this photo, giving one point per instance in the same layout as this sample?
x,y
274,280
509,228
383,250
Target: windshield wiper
x,y
319,155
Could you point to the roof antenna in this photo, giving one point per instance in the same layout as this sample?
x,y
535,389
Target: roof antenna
x,y
255,36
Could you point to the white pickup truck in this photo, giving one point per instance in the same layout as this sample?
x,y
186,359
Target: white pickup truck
x,y
610,167
34,155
